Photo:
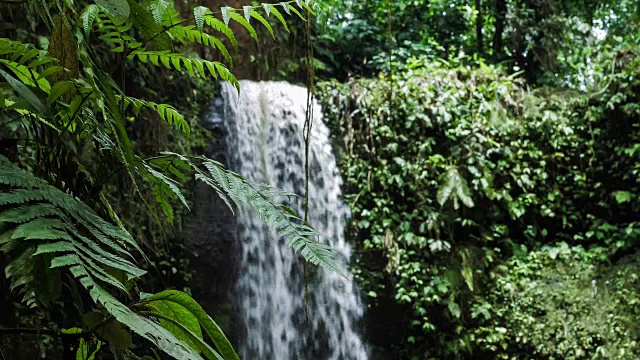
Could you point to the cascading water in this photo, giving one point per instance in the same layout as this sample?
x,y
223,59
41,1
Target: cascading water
x,y
264,126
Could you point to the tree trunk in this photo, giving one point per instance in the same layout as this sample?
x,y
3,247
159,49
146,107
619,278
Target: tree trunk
x,y
479,23
501,14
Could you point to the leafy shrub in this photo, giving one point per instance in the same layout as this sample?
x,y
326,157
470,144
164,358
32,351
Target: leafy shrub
x,y
561,303
452,168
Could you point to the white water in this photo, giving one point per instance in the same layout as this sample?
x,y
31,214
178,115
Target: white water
x,y
264,126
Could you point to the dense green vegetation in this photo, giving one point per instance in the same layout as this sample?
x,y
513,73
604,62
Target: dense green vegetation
x,y
494,189
490,151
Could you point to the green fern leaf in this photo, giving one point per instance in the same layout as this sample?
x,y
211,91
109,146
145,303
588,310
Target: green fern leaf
x,y
25,213
278,15
295,11
446,189
464,194
215,68
264,22
57,247
222,28
454,187
158,8
242,21
22,274
300,236
88,16
44,213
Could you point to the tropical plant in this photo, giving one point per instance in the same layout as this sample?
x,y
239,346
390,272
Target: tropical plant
x,y
456,171
58,231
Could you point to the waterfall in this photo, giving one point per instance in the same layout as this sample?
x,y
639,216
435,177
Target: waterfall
x,y
264,135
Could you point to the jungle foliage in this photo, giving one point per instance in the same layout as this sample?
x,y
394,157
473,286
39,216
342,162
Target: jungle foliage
x,y
68,126
493,218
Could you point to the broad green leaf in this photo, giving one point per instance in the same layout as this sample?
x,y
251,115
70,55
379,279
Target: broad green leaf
x,y
211,328
25,92
118,8
180,314
87,350
146,24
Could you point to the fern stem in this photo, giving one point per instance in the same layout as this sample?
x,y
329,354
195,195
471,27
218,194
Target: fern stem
x,y
165,30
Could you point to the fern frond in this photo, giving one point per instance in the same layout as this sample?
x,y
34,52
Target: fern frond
x,y
242,21
23,54
149,29
278,15
173,60
165,190
88,16
254,14
226,14
22,274
158,7
221,27
52,222
454,187
196,35
167,112
295,11
235,189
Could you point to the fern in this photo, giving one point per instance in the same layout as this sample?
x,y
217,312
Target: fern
x,y
221,27
242,21
234,189
158,8
199,13
454,187
56,223
270,9
197,35
53,224
166,112
254,14
177,61
88,16
45,231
